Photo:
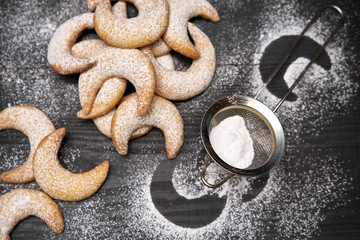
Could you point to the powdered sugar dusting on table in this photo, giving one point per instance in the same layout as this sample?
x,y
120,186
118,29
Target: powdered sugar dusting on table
x,y
271,208
279,210
136,215
21,85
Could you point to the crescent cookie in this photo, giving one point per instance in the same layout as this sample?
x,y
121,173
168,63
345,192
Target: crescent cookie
x,y
134,32
103,123
106,99
90,47
159,47
177,85
60,183
21,203
113,88
130,64
59,56
162,114
35,125
180,13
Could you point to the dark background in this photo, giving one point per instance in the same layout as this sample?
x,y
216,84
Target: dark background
x,y
313,192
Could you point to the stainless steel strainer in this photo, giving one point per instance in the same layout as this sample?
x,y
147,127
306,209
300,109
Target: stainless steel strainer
x,y
264,127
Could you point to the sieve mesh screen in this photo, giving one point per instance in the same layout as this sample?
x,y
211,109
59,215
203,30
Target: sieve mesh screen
x,y
259,130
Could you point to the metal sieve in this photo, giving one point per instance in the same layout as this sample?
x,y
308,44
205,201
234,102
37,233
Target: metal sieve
x,y
264,127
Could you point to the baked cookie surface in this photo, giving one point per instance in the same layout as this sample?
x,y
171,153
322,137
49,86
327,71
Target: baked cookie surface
x,y
36,125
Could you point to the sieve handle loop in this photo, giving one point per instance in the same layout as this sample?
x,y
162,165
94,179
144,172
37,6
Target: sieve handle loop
x,y
296,42
203,172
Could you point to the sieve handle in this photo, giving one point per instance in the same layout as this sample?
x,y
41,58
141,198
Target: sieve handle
x,y
296,42
203,172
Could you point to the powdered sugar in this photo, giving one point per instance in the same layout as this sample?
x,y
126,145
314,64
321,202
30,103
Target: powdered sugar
x,y
231,141
20,86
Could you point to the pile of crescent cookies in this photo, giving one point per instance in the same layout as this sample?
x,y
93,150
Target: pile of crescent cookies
x,y
129,49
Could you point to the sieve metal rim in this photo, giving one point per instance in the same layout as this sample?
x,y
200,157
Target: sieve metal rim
x,y
260,110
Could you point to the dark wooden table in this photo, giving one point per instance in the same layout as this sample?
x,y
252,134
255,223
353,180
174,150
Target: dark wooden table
x,y
313,193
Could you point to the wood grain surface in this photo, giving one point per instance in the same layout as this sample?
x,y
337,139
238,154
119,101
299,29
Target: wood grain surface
x,y
314,193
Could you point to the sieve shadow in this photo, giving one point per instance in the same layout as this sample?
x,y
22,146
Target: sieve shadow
x,y
188,213
192,213
275,51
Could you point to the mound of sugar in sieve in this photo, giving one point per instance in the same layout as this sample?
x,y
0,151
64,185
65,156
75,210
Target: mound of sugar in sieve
x,y
231,141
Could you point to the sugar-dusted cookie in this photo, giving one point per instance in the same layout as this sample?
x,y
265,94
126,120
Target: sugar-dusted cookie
x,y
59,56
60,183
119,9
159,47
162,114
166,61
180,12
134,32
35,125
106,99
113,88
88,48
21,203
130,64
103,123
177,85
